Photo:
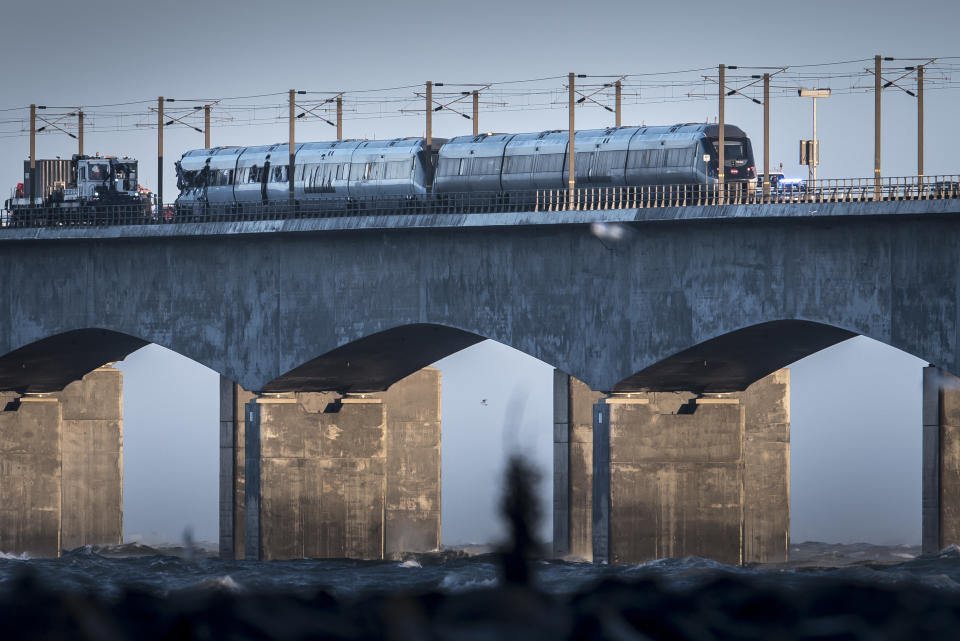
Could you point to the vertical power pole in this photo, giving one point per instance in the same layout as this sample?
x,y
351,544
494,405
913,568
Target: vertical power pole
x,y
159,154
814,150
476,112
877,88
920,122
206,126
429,114
766,134
339,117
619,101
80,131
33,153
293,108
571,154
721,141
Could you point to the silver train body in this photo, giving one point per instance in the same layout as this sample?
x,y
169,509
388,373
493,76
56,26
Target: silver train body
x,y
405,171
248,178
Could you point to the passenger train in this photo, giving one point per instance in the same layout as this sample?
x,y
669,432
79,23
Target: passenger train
x,y
505,166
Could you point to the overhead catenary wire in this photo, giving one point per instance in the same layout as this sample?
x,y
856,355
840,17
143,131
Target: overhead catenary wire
x,y
504,96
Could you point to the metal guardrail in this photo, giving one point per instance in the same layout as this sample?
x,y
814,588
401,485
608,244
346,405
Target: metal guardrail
x,y
546,201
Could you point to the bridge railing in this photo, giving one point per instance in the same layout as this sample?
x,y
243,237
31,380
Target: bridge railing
x,y
544,201
819,191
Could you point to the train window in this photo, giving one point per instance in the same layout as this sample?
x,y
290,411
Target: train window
x,y
643,159
360,171
518,164
398,170
607,160
378,170
98,171
484,166
448,166
280,174
732,149
679,157
583,163
83,173
549,162
461,166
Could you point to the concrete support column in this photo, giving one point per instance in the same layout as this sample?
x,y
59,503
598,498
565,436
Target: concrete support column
x,y
411,511
561,464
233,401
413,434
667,484
941,460
674,473
766,469
573,466
315,477
92,458
30,475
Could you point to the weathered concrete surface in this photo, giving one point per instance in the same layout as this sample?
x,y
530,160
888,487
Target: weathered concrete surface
x,y
573,467
413,434
766,469
92,456
687,296
30,475
412,472
941,459
315,477
233,402
930,481
676,474
675,482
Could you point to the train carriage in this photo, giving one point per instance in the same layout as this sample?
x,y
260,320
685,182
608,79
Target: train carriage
x,y
491,170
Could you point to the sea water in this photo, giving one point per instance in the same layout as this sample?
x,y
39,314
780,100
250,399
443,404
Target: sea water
x,y
110,570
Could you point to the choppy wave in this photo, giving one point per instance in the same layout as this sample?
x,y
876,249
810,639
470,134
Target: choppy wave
x,y
109,570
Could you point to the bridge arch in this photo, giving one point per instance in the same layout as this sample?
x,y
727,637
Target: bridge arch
x,y
51,363
732,361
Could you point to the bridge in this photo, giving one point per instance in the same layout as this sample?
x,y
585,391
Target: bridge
x,y
628,294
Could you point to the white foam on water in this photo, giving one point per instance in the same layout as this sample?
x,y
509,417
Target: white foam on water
x,y
9,556
410,563
455,583
225,583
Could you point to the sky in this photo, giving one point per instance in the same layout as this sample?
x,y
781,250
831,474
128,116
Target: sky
x,y
856,415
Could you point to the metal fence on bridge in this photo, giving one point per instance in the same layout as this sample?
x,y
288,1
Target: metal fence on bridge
x,y
545,201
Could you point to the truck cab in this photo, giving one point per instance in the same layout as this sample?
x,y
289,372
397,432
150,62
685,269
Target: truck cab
x,y
104,179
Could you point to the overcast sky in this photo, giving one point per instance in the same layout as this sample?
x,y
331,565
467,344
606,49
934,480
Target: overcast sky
x,y
856,415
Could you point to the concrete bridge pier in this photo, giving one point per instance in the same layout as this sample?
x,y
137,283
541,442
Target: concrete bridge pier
x,y
667,474
940,512
61,466
311,474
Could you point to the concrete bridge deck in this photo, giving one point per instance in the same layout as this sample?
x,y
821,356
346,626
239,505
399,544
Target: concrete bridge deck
x,y
715,297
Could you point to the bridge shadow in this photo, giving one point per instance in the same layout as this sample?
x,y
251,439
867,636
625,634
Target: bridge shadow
x,y
731,362
373,363
51,364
